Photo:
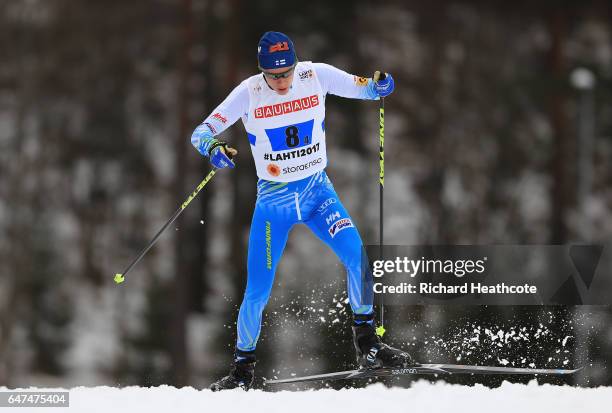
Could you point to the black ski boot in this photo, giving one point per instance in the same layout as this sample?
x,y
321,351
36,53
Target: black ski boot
x,y
372,353
241,374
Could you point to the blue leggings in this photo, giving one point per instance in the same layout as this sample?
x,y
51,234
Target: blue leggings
x,y
314,202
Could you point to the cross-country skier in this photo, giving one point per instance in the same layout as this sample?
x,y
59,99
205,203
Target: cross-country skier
x,y
283,111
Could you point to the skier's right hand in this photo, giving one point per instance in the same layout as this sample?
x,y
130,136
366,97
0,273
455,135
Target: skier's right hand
x,y
221,156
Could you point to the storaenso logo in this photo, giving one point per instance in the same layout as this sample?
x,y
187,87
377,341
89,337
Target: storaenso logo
x,y
268,245
303,167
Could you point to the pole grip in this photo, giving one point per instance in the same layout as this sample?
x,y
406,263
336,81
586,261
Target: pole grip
x,y
378,75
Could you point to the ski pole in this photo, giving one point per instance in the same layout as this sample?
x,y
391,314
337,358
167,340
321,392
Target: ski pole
x,y
380,330
120,277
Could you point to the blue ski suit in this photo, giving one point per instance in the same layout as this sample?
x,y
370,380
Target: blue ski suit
x,y
282,203
311,201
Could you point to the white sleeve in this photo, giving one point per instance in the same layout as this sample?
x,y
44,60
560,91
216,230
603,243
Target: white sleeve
x,y
235,105
340,83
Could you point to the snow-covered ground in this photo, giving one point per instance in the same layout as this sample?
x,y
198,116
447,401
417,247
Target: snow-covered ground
x,y
422,397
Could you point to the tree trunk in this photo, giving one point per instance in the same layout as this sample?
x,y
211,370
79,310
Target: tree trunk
x,y
562,163
181,305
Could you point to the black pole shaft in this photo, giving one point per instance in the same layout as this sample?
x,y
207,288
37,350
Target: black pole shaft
x,y
119,277
382,186
153,241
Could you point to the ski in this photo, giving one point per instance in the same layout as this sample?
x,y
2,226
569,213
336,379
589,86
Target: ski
x,y
423,369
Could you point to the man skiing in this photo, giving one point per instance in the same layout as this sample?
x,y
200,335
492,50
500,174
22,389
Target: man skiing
x,y
283,111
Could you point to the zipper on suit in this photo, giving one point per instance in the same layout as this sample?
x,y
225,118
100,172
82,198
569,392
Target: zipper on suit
x,y
297,207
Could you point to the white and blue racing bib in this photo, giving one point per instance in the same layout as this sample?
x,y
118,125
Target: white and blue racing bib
x,y
287,132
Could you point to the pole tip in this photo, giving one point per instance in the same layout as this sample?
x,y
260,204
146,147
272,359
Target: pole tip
x,y
119,278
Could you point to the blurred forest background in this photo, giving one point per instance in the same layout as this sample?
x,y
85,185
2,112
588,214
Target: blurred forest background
x,y
499,132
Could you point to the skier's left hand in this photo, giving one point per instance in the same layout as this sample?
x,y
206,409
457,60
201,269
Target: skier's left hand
x,y
383,84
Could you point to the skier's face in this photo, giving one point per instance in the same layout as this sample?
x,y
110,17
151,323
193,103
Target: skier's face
x,y
280,80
